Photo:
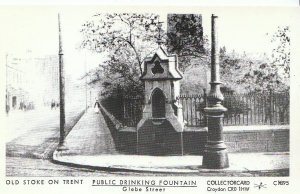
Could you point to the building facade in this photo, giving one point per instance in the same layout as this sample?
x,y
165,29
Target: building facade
x,y
31,81
17,82
48,71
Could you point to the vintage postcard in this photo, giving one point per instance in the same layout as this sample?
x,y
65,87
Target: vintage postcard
x,y
149,99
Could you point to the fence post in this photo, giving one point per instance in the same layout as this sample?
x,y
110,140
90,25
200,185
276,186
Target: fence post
x,y
271,108
124,109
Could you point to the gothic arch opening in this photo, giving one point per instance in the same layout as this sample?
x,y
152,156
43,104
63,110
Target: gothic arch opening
x,y
158,104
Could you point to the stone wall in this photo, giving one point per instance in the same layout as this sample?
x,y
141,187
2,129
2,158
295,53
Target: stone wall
x,y
260,138
257,139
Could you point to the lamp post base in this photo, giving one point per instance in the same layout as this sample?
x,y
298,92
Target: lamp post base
x,y
215,159
62,147
215,154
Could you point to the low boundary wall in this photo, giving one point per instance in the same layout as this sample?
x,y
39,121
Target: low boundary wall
x,y
255,138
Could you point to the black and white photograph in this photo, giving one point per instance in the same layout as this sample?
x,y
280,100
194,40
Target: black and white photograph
x,y
148,99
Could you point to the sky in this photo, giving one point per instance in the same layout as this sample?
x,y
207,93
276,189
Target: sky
x,y
36,29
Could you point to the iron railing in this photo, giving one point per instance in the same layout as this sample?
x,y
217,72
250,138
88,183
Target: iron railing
x,y
266,108
132,110
193,109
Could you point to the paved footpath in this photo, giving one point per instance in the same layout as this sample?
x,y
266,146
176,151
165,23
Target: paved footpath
x,y
91,145
90,136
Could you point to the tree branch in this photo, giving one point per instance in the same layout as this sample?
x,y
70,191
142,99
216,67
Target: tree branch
x,y
134,50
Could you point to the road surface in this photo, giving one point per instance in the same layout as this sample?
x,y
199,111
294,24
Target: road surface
x,y
31,138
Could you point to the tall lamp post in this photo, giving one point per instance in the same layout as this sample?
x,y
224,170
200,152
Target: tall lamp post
x,y
61,145
215,155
